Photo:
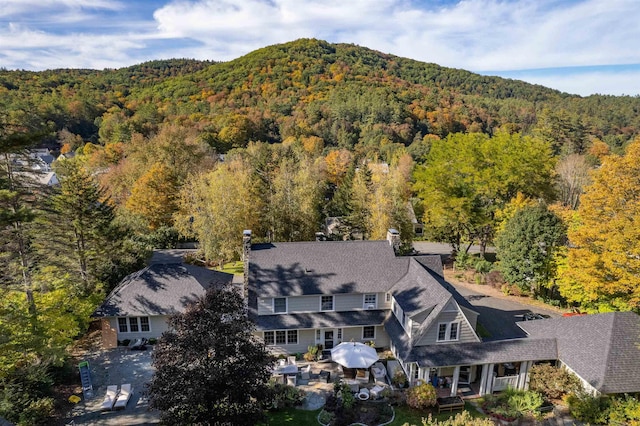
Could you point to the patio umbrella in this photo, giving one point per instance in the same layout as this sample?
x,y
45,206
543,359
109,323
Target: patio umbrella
x,y
354,355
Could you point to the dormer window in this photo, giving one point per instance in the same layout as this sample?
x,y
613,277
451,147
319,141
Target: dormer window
x,y
279,305
448,331
370,301
326,303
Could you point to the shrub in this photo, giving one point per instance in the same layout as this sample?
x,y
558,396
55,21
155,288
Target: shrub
x,y
325,417
460,419
422,396
513,403
494,279
399,379
153,341
588,408
624,410
285,396
311,354
553,382
462,260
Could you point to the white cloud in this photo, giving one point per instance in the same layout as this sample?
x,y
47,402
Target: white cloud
x,y
471,34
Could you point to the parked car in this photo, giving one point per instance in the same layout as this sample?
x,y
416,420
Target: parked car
x,y
534,316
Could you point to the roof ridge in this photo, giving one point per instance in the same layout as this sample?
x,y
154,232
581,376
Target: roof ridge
x,y
609,343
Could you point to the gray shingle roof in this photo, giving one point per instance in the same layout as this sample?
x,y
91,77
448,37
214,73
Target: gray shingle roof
x,y
160,289
324,267
603,349
451,354
495,352
320,320
417,290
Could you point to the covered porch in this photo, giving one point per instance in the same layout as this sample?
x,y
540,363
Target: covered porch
x,y
476,369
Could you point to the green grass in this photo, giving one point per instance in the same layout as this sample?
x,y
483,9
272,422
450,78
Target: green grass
x,y
292,416
235,268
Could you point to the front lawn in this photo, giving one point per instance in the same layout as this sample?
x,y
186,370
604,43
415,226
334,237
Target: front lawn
x,y
292,416
235,268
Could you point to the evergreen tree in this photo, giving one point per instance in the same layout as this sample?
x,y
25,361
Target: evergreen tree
x,y
79,225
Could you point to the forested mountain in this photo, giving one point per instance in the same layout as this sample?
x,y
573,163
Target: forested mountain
x,y
348,95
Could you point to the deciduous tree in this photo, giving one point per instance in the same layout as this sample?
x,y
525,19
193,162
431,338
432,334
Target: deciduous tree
x,y
603,263
210,368
527,245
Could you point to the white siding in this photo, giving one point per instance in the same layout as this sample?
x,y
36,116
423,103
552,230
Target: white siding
x,y
348,302
465,335
305,304
157,326
306,338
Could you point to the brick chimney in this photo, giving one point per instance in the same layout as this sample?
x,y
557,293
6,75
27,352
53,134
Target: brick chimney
x,y
393,236
246,252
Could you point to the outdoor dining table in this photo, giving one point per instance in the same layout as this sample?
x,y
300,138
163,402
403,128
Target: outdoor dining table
x,y
284,370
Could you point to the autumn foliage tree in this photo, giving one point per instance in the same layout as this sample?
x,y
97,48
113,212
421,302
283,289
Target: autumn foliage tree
x,y
603,265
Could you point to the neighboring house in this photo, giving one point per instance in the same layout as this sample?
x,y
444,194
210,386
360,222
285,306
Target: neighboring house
x,y
141,304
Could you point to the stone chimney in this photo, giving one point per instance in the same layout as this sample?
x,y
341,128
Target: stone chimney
x,y
246,252
393,236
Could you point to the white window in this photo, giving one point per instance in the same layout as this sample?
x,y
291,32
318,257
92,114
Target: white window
x,y
339,334
369,332
326,303
448,331
269,338
279,305
387,297
281,337
318,336
133,324
370,301
144,324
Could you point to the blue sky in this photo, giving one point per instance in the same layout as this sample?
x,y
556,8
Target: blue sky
x,y
577,46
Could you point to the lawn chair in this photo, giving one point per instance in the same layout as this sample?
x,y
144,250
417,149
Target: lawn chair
x,y
123,397
376,391
109,398
379,372
291,360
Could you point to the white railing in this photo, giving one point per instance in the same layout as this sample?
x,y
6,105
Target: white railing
x,y
501,383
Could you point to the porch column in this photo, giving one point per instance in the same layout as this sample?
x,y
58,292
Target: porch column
x,y
456,377
486,383
522,375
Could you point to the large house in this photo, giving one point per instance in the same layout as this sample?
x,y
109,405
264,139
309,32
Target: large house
x,y
325,292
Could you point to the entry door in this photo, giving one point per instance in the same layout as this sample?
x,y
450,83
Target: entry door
x,y
328,339
465,375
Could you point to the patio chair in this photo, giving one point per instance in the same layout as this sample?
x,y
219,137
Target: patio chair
x,y
376,391
291,380
109,398
277,378
379,372
123,397
291,360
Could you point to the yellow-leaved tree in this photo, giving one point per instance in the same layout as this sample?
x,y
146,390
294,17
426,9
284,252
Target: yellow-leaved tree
x,y
602,268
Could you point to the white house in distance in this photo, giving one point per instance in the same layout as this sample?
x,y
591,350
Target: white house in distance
x,y
327,292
